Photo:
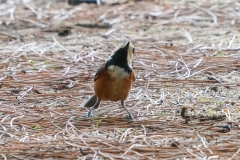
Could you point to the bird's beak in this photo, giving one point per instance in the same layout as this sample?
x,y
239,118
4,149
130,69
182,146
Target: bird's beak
x,y
127,45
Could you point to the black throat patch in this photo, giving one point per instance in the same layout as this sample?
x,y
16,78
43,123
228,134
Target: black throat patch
x,y
119,58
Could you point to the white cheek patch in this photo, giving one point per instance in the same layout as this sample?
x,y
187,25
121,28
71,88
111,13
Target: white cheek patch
x,y
130,55
117,72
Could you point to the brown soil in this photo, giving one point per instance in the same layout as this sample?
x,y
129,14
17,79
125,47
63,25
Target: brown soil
x,y
185,98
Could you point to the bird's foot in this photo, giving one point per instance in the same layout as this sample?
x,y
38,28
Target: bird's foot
x,y
130,116
89,114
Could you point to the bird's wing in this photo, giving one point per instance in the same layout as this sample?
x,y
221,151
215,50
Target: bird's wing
x,y
89,102
98,72
134,77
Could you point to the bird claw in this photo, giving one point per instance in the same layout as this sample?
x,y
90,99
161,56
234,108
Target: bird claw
x,y
89,114
130,117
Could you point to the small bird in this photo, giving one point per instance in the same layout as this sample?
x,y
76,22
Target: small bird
x,y
113,80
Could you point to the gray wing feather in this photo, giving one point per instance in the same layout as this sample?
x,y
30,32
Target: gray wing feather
x,y
89,102
98,72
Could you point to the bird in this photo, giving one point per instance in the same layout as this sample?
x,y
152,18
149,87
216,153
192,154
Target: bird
x,y
113,80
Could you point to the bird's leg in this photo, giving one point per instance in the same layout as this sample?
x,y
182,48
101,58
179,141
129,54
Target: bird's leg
x,y
89,113
130,116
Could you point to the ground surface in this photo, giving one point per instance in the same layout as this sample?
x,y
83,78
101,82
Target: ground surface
x,y
187,58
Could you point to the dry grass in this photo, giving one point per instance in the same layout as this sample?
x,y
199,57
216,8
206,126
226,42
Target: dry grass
x,y
187,56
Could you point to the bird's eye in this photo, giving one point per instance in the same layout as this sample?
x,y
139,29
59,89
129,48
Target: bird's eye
x,y
133,50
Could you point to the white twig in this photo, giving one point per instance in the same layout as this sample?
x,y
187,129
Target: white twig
x,y
208,12
5,158
145,92
40,25
220,44
190,151
24,93
176,14
200,71
38,13
87,144
228,115
11,123
124,135
198,62
129,149
20,48
3,78
11,135
24,138
189,37
188,73
71,84
231,41
68,68
9,11
105,155
77,58
203,140
56,42
230,74
235,154
109,32
145,132
68,122
5,118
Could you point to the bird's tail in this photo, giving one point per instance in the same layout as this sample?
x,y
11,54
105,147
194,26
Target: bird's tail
x,y
89,102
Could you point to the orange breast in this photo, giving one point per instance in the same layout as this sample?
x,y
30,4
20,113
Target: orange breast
x,y
109,86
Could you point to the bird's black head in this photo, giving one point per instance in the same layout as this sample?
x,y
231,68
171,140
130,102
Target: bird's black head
x,y
122,57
